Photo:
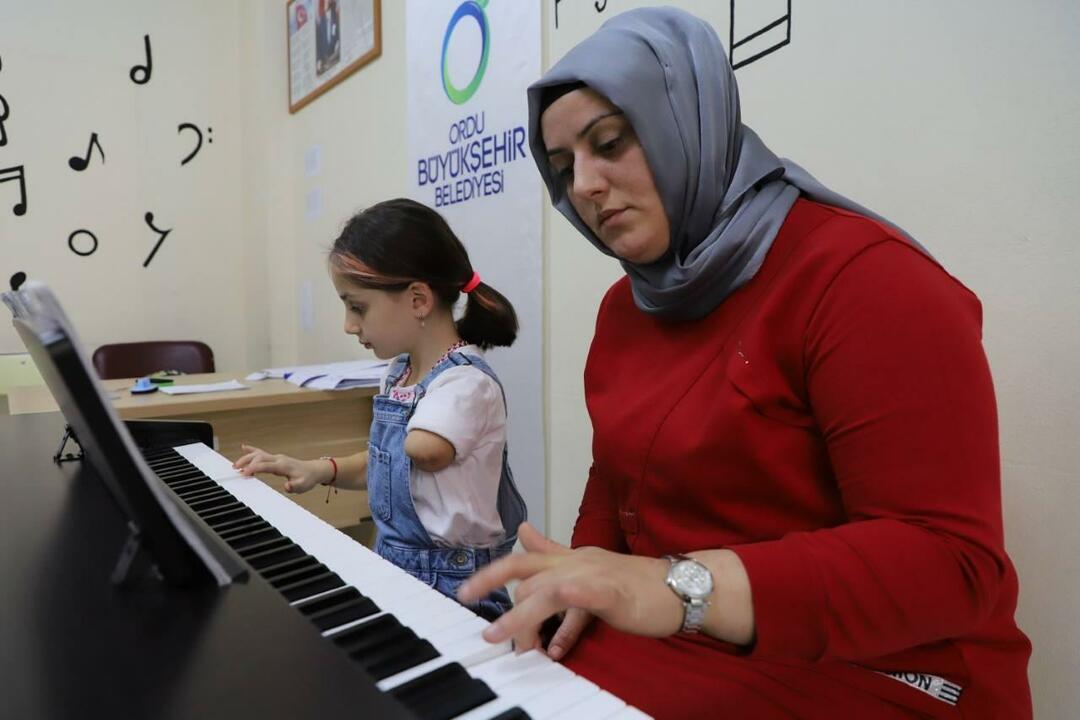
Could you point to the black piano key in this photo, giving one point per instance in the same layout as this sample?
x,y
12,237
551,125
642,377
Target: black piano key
x,y
384,646
392,659
170,463
445,697
345,613
436,686
244,524
247,539
235,505
223,518
294,575
278,555
514,713
337,608
313,585
196,489
368,634
153,453
243,528
208,502
179,475
272,571
189,484
259,548
227,513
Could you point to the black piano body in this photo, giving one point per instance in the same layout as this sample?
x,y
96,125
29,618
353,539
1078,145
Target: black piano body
x,y
72,644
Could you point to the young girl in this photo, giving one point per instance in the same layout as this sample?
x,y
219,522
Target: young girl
x,y
436,471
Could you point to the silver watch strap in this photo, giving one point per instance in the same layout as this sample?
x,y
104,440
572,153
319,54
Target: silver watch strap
x,y
693,615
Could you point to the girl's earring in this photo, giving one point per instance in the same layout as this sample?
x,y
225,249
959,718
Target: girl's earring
x,y
421,319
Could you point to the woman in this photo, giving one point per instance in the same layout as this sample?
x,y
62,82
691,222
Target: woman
x,y
816,443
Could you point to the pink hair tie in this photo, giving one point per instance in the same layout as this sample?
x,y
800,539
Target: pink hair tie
x,y
473,282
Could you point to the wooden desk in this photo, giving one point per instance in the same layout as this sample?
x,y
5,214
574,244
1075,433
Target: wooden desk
x,y
271,414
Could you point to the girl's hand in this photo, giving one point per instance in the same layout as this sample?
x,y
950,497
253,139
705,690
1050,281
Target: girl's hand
x,y
626,591
300,475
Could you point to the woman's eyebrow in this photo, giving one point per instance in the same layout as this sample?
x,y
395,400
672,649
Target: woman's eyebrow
x,y
587,128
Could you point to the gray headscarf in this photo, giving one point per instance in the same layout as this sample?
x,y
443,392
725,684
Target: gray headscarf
x,y
726,194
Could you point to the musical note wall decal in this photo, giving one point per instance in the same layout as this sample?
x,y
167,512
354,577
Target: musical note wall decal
x,y
16,173
83,253
17,280
79,164
143,70
198,146
163,233
5,111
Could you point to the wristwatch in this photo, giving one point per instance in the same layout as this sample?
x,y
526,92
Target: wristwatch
x,y
693,583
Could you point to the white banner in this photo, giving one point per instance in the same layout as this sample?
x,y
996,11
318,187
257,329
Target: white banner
x,y
469,64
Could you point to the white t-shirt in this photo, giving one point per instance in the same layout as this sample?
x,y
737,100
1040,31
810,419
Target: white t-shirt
x,y
458,505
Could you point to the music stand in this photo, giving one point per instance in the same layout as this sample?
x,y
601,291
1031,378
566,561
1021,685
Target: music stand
x,y
183,549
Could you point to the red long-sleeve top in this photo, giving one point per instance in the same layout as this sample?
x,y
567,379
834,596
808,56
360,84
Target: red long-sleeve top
x,y
833,422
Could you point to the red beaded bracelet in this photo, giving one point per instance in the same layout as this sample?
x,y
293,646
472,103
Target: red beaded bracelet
x,y
333,478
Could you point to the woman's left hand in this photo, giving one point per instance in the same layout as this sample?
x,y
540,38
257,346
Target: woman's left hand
x,y
627,592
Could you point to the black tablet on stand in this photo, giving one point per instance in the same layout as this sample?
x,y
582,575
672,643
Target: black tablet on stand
x,y
173,541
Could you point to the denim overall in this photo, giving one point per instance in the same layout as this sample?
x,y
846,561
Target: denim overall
x,y
402,538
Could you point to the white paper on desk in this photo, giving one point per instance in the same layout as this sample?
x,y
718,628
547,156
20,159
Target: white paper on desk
x,y
206,388
339,375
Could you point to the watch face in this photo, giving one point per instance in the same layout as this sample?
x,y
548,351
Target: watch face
x,y
692,578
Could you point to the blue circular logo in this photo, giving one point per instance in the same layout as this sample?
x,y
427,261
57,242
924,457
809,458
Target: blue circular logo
x,y
475,10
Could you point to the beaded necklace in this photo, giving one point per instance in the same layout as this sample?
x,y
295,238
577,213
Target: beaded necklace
x,y
408,368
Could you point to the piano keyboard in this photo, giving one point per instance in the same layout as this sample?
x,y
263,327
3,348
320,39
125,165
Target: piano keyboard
x,y
421,647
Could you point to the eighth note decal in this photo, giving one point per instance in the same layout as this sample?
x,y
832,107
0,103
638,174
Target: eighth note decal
x,y
79,164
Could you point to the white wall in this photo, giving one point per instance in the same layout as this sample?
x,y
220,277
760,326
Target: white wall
x,y
360,131
65,75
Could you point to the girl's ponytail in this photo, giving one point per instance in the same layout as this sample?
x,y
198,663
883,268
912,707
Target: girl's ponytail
x,y
489,319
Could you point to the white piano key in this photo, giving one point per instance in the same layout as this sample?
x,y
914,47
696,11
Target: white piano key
x,y
456,633
505,668
474,650
597,707
529,684
545,705
426,625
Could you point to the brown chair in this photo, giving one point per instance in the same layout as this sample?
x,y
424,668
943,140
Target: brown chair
x,y
128,360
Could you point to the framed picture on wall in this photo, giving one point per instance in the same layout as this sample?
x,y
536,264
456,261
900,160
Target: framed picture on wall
x,y
329,40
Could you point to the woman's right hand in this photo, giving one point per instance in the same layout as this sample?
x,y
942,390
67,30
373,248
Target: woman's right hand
x,y
574,622
300,475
